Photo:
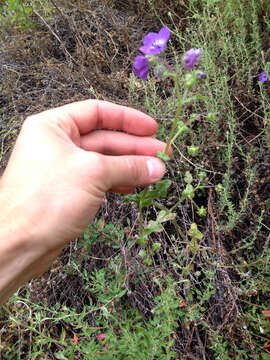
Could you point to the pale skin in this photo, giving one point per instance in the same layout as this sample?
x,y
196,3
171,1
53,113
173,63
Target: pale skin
x,y
64,161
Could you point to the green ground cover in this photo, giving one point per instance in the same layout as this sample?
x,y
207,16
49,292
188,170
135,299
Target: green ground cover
x,y
204,296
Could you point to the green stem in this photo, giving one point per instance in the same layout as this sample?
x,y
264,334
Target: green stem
x,y
145,190
196,206
175,121
176,204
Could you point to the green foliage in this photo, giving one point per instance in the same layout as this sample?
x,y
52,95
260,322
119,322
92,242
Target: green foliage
x,y
125,334
145,198
19,14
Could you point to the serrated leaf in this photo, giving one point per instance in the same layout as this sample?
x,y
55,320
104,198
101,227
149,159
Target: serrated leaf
x,y
146,202
165,216
162,187
188,177
163,156
152,226
132,198
188,192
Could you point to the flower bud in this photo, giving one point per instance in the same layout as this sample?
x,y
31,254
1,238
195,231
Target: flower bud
x,y
190,80
201,211
219,188
193,150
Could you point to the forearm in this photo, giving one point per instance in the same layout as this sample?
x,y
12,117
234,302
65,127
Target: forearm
x,y
17,253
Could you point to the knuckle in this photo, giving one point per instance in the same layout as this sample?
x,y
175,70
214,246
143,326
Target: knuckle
x,y
134,169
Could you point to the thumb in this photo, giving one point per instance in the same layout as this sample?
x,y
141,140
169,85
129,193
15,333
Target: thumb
x,y
132,171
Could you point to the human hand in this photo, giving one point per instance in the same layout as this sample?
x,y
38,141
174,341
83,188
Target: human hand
x,y
63,162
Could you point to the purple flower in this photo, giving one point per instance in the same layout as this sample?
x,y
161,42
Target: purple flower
x,y
155,43
141,67
263,77
201,75
192,56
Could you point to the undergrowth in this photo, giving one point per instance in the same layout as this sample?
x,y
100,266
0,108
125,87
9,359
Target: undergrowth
x,y
203,299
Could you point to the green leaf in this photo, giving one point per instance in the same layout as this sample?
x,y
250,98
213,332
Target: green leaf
x,y
60,356
202,175
219,188
156,247
142,253
13,4
210,116
148,261
162,187
164,215
163,156
132,198
28,10
147,201
194,232
190,79
152,226
193,150
188,177
142,239
201,211
122,293
188,192
182,128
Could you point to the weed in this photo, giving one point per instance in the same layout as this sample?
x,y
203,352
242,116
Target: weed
x,y
18,13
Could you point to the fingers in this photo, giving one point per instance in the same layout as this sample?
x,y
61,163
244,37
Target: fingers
x,y
130,171
116,143
89,115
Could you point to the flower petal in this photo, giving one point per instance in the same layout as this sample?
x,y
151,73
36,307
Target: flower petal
x,y
149,38
191,57
153,43
141,67
263,77
164,33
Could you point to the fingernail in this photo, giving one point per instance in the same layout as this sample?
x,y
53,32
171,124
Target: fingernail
x,y
156,169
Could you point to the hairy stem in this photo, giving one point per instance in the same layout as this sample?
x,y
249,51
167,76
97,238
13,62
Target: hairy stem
x,y
175,121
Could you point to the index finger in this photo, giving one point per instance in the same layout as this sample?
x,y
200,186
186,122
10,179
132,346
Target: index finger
x,y
90,114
